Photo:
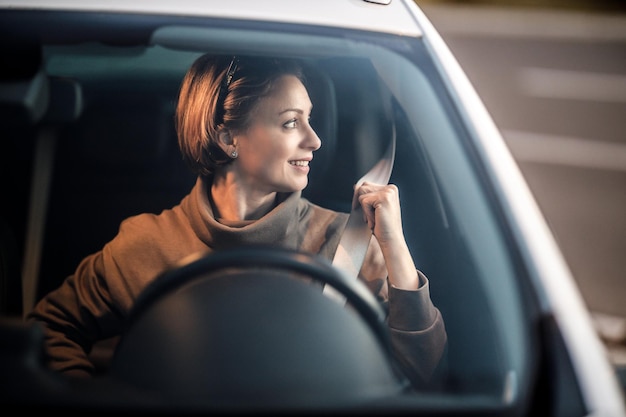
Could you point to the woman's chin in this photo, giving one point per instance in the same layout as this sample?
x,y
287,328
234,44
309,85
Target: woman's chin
x,y
299,186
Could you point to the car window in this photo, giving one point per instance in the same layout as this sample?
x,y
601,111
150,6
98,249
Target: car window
x,y
120,158
362,90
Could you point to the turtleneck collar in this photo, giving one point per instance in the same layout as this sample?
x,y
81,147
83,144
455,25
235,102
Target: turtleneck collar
x,y
275,228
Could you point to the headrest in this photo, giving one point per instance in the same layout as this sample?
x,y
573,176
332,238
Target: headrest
x,y
362,123
24,100
23,85
324,121
324,118
66,100
28,95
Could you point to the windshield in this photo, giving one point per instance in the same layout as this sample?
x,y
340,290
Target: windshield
x,y
363,89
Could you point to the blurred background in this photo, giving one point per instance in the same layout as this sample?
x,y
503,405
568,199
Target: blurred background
x,y
552,73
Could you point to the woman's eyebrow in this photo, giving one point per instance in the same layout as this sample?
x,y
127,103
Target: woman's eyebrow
x,y
297,110
294,109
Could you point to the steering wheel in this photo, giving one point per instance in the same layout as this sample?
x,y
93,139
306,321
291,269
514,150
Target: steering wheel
x,y
251,327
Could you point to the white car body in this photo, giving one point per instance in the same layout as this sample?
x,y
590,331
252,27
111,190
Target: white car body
x,y
551,279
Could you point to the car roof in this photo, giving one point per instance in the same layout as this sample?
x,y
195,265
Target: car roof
x,y
387,16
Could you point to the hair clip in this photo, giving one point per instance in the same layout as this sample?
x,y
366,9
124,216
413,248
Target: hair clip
x,y
223,88
231,71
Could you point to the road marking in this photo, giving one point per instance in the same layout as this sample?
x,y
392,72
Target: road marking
x,y
564,150
572,85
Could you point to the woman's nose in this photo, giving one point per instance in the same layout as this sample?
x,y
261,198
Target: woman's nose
x,y
312,140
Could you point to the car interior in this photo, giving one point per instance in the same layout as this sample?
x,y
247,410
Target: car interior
x,y
88,139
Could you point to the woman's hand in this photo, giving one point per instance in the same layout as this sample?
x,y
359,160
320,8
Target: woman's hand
x,y
381,209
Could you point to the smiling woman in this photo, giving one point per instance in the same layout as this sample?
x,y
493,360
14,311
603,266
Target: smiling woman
x,y
466,305
241,123
255,114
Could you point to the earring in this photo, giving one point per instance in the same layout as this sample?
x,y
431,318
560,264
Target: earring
x,y
234,154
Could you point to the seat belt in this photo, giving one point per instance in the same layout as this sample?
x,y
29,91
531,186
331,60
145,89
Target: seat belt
x,y
40,190
356,236
65,106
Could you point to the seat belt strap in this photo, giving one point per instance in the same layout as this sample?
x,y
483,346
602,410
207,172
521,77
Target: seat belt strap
x,y
356,236
40,190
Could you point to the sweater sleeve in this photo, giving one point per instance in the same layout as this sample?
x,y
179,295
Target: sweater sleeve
x,y
75,316
92,304
418,335
417,331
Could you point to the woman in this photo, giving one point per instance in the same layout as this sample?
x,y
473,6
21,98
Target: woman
x,y
243,127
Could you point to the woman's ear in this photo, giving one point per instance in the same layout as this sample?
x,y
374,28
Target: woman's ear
x,y
227,143
225,140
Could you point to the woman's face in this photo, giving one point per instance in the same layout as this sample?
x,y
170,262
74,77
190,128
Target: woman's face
x,y
275,150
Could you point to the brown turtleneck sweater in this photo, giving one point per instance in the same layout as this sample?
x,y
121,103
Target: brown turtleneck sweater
x,y
92,304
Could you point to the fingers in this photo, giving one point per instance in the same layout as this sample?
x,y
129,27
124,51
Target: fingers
x,y
376,195
380,205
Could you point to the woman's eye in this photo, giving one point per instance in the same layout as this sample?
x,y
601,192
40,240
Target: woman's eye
x,y
290,124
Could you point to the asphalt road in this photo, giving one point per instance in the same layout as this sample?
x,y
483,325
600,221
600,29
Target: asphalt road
x,y
555,84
